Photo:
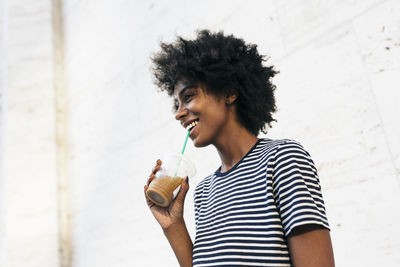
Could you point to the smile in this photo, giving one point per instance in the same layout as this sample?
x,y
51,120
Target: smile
x,y
191,126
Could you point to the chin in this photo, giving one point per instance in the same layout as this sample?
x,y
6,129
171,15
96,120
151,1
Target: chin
x,y
200,143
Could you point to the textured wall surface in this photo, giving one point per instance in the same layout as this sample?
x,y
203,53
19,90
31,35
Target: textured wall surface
x,y
28,180
3,75
337,94
339,64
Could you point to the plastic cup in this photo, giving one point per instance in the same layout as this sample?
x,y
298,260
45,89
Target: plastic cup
x,y
174,169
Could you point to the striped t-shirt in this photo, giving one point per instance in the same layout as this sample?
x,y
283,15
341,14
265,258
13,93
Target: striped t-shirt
x,y
244,215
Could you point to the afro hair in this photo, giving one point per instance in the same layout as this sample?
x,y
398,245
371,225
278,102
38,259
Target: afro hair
x,y
224,65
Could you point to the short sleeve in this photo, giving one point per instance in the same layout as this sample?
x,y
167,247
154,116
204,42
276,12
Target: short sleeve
x,y
296,188
197,197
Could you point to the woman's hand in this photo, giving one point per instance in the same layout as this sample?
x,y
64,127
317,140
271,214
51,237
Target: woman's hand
x,y
171,220
173,214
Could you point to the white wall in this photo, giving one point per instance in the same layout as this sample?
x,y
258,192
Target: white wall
x,y
28,209
3,75
337,94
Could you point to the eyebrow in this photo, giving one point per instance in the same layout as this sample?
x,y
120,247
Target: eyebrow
x,y
185,88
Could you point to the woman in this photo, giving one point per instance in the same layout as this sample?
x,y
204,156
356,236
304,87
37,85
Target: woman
x,y
263,206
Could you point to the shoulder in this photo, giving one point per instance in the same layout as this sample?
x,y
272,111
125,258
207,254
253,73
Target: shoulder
x,y
285,152
292,150
278,147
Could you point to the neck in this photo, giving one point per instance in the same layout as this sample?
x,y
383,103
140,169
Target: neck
x,y
234,145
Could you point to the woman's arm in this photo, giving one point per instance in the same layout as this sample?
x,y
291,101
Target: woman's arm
x,y
311,246
181,243
171,221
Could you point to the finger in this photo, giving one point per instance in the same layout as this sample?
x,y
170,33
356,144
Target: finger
x,y
145,195
145,192
145,189
157,167
183,191
149,202
151,178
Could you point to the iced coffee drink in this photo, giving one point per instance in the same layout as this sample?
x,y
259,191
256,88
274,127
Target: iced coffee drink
x,y
161,190
174,169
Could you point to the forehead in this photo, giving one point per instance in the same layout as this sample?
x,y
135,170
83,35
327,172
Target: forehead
x,y
179,87
182,85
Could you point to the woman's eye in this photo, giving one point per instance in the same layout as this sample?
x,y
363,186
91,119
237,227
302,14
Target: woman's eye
x,y
187,97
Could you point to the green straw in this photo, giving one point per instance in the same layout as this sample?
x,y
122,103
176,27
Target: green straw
x,y
183,151
184,145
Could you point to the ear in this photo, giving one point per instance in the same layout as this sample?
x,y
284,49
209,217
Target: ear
x,y
230,99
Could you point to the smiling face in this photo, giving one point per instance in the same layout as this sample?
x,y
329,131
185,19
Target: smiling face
x,y
206,115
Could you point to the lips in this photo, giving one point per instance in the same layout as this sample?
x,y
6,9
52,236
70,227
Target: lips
x,y
191,125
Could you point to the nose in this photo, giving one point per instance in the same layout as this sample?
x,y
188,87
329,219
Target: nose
x,y
181,113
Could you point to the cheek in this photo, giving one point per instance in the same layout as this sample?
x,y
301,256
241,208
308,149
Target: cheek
x,y
196,107
216,117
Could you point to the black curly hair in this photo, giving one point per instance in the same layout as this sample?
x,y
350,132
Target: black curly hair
x,y
224,65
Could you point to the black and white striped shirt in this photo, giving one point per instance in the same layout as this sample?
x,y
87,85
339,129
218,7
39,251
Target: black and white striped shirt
x,y
244,215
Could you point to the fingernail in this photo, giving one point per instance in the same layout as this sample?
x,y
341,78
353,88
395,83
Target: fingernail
x,y
187,179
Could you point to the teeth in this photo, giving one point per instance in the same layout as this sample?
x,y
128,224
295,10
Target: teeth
x,y
190,126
